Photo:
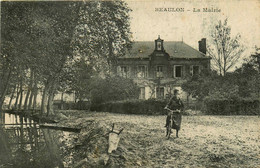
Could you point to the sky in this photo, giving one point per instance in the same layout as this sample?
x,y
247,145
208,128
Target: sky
x,y
147,21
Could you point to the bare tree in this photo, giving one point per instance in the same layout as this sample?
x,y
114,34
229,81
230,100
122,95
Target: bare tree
x,y
225,50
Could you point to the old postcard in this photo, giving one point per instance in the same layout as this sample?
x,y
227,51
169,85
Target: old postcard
x,y
130,83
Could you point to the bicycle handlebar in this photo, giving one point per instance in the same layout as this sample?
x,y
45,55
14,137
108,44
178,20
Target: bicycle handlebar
x,y
174,111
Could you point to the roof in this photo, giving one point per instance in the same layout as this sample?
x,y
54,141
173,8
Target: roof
x,y
176,49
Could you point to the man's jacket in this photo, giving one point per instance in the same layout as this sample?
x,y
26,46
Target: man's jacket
x,y
175,103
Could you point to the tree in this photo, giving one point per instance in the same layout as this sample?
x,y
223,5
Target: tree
x,y
101,36
112,88
36,39
225,50
13,39
77,78
198,86
103,33
248,76
40,38
211,84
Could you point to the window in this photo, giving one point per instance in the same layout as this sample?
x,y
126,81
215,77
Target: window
x,y
178,71
159,71
123,71
195,70
159,46
142,93
141,72
160,92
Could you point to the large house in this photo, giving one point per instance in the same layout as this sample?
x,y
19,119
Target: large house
x,y
160,67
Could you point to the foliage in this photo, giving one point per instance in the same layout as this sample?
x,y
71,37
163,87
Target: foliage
x,y
248,81
241,83
235,93
147,107
200,85
36,38
238,106
103,33
112,88
225,49
138,106
76,77
40,38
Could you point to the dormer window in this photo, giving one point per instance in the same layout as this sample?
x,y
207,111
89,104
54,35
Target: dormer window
x,y
159,44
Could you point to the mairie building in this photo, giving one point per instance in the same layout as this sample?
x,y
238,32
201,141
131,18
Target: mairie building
x,y
161,66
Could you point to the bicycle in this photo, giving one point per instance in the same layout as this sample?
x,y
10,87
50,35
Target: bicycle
x,y
175,122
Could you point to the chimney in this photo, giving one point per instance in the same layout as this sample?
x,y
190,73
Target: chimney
x,y
202,45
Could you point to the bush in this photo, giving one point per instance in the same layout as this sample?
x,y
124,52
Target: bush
x,y
238,106
80,105
148,107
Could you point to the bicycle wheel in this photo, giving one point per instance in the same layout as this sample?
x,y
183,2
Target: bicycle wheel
x,y
168,129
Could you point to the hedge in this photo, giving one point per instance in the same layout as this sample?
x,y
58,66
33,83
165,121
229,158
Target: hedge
x,y
81,105
148,107
232,107
156,107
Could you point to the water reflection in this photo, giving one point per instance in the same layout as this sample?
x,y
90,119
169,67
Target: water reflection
x,y
24,144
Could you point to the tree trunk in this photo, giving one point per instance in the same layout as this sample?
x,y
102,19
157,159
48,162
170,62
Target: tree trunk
x,y
11,98
29,91
30,100
44,99
26,99
45,96
4,90
32,91
50,110
61,106
17,97
35,93
21,95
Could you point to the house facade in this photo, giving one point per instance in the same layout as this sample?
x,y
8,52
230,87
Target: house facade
x,y
160,67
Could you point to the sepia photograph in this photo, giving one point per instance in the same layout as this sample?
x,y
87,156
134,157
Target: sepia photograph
x,y
130,83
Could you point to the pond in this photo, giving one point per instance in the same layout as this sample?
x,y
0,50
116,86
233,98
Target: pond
x,y
24,144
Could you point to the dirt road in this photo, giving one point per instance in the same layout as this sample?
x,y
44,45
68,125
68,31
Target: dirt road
x,y
204,141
